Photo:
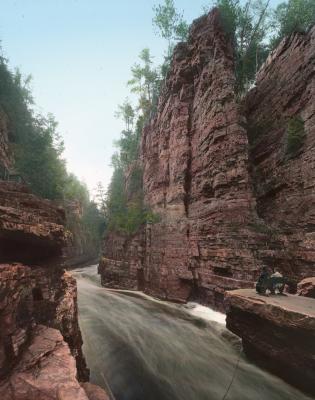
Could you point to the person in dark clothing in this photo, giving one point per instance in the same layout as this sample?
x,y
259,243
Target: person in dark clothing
x,y
261,284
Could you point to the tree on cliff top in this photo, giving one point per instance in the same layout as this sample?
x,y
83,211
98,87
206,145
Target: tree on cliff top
x,y
170,23
256,29
293,16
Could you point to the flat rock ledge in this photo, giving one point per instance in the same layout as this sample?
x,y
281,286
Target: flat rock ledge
x,y
278,333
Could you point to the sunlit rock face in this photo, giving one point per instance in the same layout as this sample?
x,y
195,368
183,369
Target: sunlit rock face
x,y
278,332
229,200
46,370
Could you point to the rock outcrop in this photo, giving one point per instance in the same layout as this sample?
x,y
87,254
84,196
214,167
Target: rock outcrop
x,y
306,287
46,371
278,332
229,195
34,290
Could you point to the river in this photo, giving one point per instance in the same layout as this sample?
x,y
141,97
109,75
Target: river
x,y
146,349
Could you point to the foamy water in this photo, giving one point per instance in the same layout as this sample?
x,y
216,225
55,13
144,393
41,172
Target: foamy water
x,y
146,349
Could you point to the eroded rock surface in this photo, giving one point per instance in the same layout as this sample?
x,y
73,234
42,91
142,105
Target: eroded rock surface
x,y
229,196
45,371
306,287
278,332
35,290
28,222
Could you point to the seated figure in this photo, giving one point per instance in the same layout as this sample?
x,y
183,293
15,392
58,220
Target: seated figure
x,y
273,282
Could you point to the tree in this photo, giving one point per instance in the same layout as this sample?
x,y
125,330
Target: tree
x,y
126,113
169,23
171,26
293,16
247,25
145,82
100,198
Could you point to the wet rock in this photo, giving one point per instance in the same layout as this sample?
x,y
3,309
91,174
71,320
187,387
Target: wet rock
x,y
278,332
94,392
306,287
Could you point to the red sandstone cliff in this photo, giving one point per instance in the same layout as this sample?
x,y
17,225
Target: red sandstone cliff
x,y
227,205
34,288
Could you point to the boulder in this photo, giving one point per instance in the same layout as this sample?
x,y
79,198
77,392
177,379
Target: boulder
x,y
306,287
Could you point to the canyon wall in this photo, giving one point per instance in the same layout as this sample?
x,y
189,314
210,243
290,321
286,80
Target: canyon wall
x,y
228,197
34,288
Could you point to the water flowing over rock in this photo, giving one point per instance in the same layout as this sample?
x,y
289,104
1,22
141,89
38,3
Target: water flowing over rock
x,y
218,173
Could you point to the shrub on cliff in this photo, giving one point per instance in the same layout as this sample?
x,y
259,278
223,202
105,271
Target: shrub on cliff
x,y
293,16
295,135
256,29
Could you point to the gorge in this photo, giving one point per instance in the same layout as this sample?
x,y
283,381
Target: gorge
x,y
227,182
229,194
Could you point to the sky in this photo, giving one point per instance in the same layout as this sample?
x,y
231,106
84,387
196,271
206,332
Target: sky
x,y
79,53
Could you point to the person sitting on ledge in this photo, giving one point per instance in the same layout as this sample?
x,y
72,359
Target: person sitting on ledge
x,y
261,284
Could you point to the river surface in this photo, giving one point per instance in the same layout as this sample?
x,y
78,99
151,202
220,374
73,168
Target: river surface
x,y
146,349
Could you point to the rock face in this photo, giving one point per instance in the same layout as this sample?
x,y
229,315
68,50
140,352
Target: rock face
x,y
230,199
34,288
121,267
47,371
306,287
284,183
278,332
30,224
80,250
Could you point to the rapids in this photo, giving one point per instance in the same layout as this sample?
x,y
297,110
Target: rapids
x,y
146,349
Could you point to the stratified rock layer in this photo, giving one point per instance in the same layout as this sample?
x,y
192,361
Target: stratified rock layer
x,y
278,332
47,371
227,205
34,289
30,224
285,183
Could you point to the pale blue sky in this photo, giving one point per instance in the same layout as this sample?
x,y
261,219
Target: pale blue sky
x,y
79,53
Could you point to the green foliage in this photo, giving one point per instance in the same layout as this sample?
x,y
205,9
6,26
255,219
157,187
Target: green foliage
x,y
145,82
293,16
93,225
295,135
247,24
127,113
38,149
169,23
